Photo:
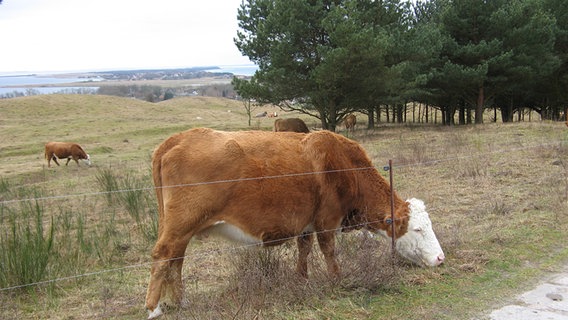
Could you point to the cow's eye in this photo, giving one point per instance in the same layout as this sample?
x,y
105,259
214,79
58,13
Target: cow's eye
x,y
418,229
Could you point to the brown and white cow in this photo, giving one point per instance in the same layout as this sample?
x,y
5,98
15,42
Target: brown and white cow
x,y
261,187
65,150
350,121
290,124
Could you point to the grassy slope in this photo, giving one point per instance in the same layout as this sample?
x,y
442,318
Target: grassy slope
x,y
111,129
496,194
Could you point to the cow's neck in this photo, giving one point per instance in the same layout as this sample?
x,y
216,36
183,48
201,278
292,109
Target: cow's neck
x,y
378,211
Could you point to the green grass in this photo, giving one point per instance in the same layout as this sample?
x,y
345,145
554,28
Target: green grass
x,y
497,195
26,246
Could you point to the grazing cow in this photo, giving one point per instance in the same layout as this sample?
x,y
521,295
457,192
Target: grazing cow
x,y
350,121
232,184
62,150
290,124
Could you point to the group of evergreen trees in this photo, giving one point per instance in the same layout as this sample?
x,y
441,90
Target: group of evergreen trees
x,y
329,58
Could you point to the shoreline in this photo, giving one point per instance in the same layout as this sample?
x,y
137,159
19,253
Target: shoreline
x,y
168,83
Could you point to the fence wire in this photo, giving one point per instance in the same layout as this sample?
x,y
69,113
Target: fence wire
x,y
236,248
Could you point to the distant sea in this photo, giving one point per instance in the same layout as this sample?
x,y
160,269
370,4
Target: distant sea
x,y
10,83
238,70
35,84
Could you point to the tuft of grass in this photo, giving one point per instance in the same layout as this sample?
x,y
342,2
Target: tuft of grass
x,y
108,183
5,186
132,192
26,246
102,150
138,199
262,282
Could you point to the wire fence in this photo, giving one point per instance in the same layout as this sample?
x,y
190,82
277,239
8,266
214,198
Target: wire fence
x,y
383,167
207,252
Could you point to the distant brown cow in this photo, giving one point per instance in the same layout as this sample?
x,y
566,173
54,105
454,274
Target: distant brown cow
x,y
291,124
349,122
62,150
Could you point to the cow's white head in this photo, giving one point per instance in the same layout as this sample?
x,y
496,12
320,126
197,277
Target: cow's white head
x,y
419,244
88,160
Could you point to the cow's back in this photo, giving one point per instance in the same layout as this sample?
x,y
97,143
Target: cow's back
x,y
291,124
58,149
205,156
267,184
218,159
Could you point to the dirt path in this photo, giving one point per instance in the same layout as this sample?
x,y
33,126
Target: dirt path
x,y
549,301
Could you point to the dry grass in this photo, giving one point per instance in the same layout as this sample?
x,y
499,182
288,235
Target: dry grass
x,y
497,195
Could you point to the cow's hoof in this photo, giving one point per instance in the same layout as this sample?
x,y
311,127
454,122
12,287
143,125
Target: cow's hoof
x,y
155,313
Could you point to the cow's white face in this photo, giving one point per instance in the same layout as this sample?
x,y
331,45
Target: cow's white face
x,y
88,160
420,244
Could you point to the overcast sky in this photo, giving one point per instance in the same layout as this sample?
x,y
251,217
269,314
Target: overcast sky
x,y
71,35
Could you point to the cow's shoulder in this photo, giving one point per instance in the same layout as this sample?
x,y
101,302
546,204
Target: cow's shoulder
x,y
329,145
339,157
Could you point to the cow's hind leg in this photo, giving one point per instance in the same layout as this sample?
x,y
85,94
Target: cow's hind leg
x,y
165,276
54,158
304,242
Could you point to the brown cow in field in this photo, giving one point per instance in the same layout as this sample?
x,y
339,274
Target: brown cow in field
x,y
290,124
350,121
264,188
62,150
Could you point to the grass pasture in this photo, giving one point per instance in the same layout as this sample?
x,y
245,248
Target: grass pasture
x,y
75,241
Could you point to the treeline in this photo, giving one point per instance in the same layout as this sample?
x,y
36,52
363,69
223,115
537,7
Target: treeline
x,y
150,93
328,58
155,93
161,74
54,90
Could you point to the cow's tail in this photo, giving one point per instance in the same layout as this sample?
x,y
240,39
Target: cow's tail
x,y
160,151
157,174
157,177
48,152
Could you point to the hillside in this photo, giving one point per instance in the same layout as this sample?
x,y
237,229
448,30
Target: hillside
x,y
101,123
496,194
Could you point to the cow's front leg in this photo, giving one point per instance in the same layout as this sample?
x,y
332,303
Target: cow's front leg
x,y
174,282
304,242
326,241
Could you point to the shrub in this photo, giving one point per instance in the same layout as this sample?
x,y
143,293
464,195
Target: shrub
x,y
26,247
